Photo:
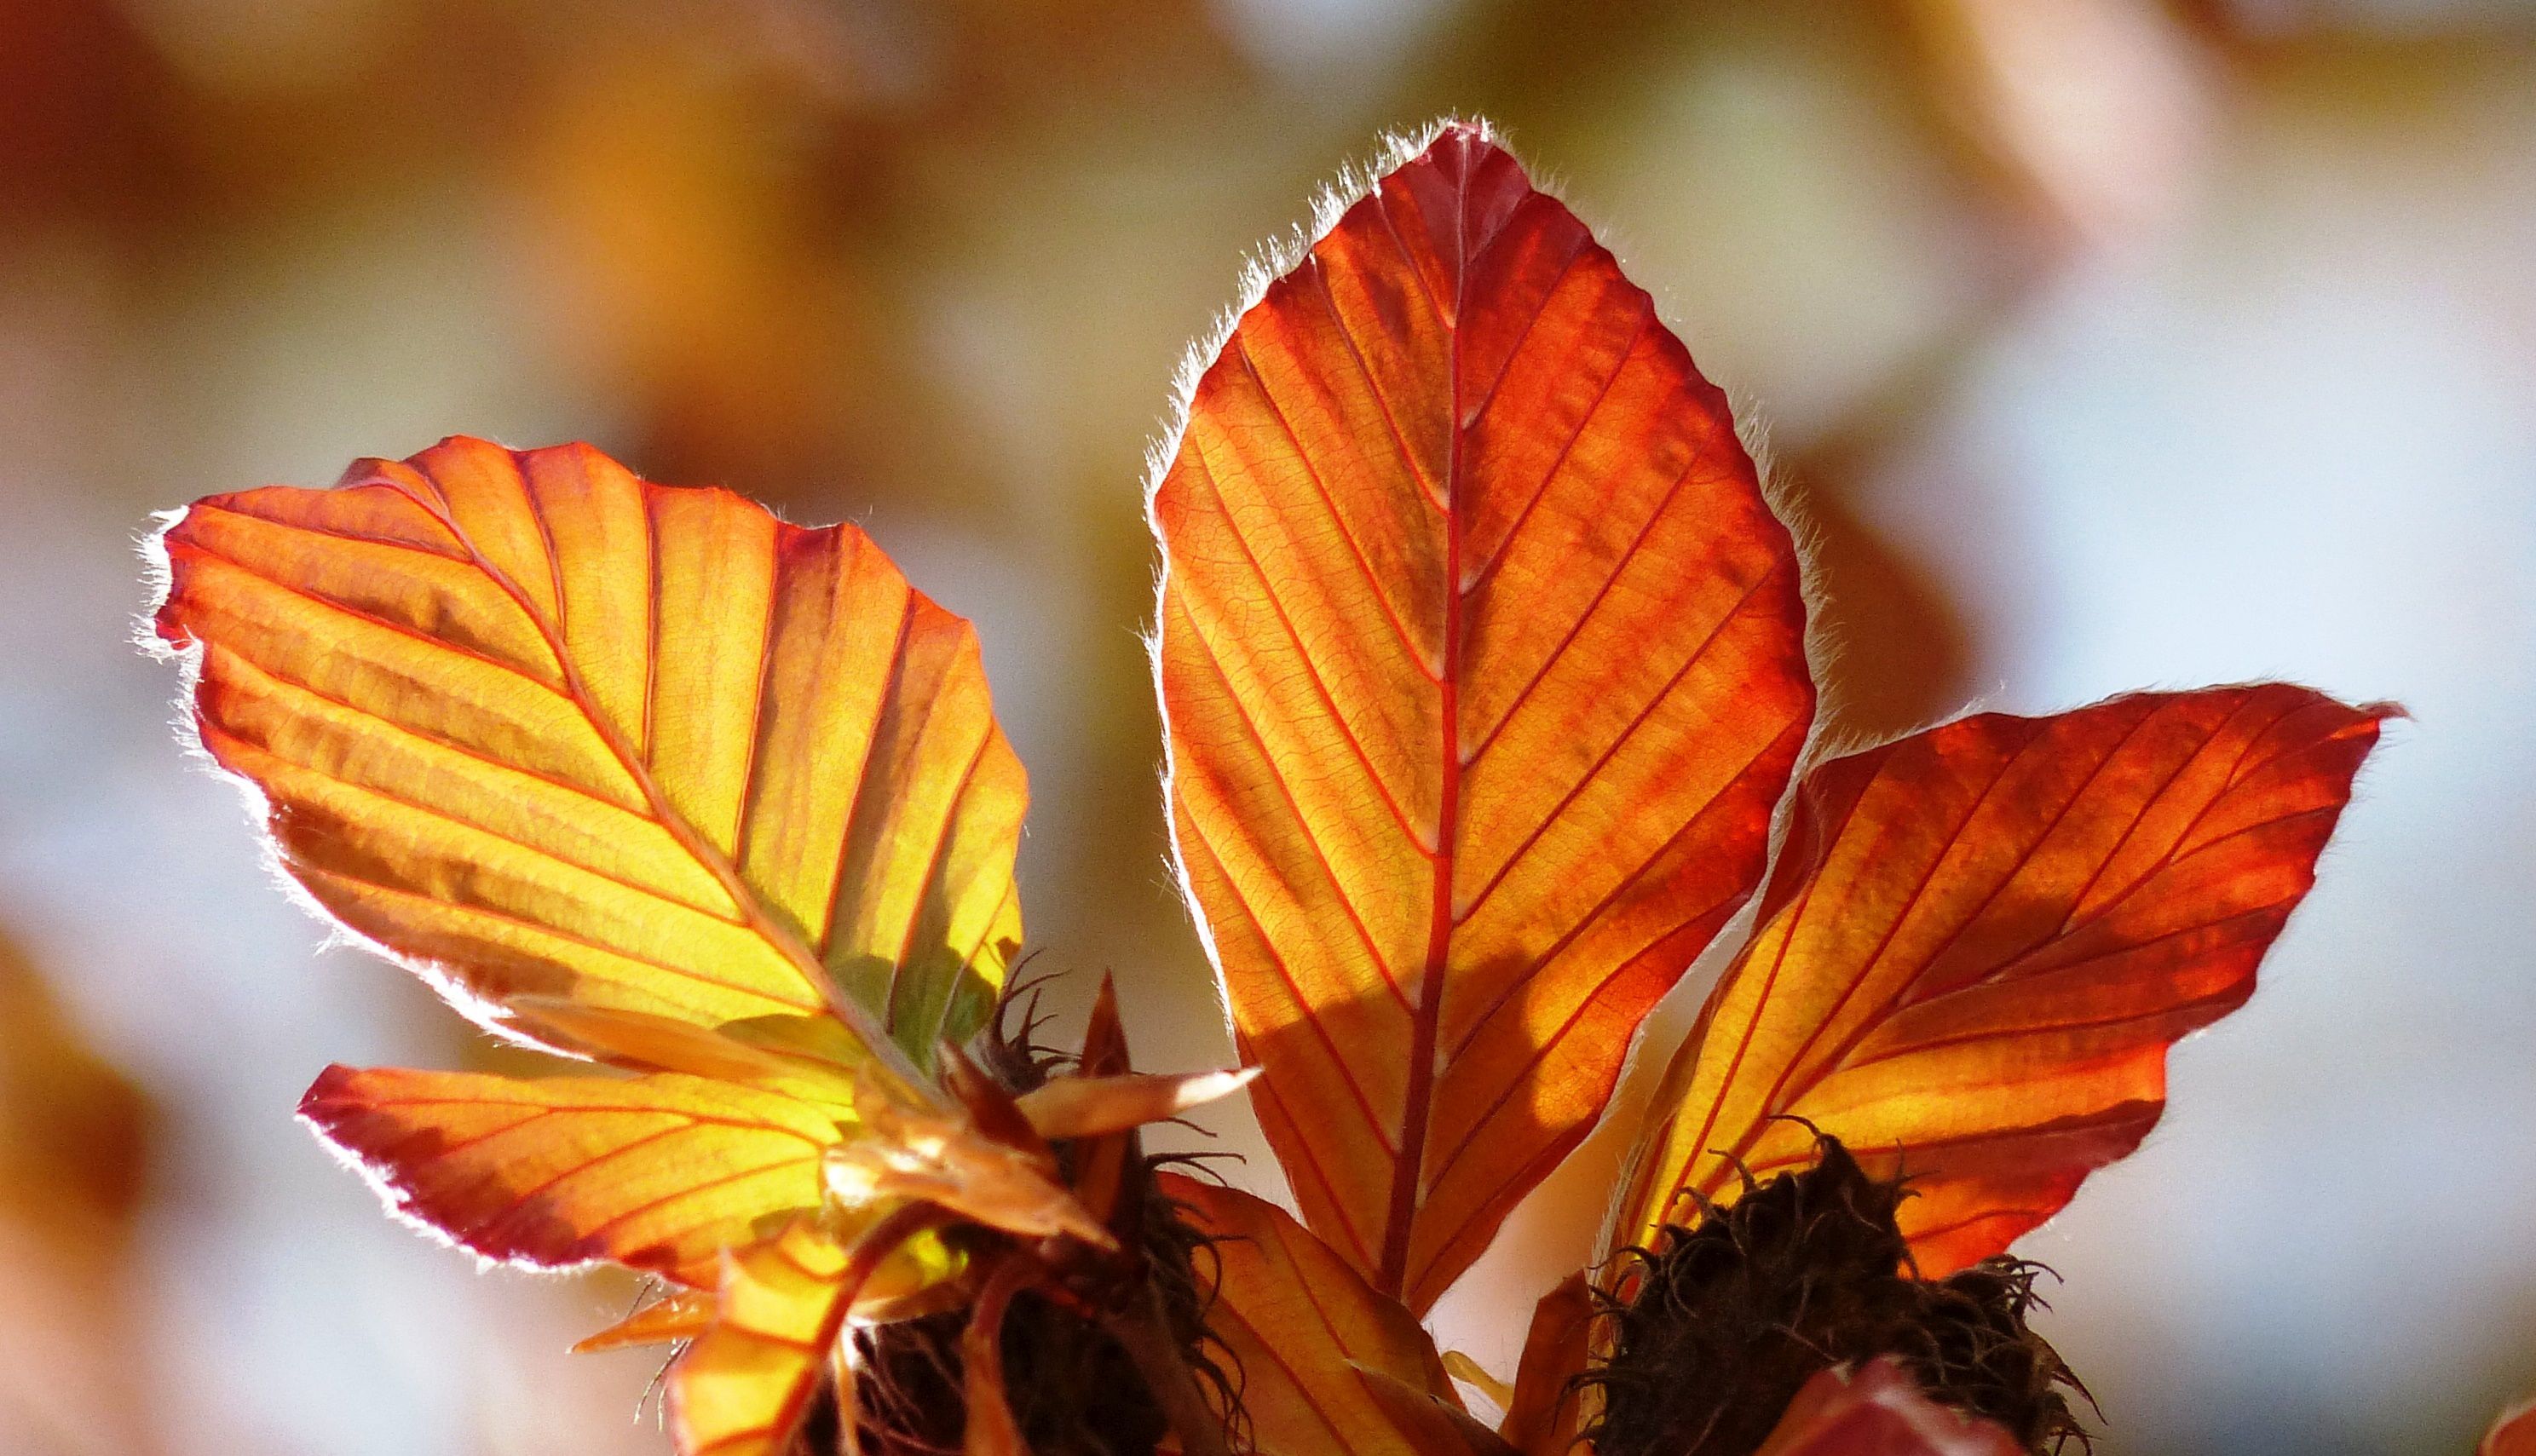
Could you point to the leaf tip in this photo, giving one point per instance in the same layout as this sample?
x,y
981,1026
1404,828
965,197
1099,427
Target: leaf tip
x,y
325,1093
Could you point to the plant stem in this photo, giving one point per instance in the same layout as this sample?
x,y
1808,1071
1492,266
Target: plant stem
x,y
1146,1338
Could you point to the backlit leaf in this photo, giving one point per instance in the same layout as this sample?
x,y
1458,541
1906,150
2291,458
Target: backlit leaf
x,y
2513,1434
1482,660
1303,1323
540,728
659,1172
1980,941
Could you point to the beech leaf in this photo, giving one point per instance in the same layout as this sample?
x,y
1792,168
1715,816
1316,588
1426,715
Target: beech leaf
x,y
1979,943
1482,660
541,729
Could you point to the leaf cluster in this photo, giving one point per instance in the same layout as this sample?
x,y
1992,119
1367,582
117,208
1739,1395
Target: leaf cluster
x,y
1482,660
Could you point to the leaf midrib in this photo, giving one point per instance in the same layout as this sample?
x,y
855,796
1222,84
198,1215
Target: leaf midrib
x,y
875,1043
1424,1023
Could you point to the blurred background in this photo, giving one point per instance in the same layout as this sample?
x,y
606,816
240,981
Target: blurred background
x,y
2105,343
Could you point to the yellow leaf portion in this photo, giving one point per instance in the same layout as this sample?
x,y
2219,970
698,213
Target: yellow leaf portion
x,y
542,729
739,1389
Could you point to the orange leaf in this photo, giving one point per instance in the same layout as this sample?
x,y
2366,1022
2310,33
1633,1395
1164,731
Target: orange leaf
x,y
1981,940
1546,1417
540,728
1879,1411
1303,1323
2513,1434
1482,659
659,1172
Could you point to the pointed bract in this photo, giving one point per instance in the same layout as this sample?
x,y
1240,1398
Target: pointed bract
x,y
681,1315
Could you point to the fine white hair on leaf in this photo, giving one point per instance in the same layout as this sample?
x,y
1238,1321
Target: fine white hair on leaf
x,y
159,572
400,1207
1271,259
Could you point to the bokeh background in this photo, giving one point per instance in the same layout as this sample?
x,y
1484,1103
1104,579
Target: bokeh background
x,y
2104,343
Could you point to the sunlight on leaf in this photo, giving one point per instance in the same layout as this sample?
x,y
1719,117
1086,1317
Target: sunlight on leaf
x,y
742,1385
1482,665
641,775
1980,941
659,1172
540,728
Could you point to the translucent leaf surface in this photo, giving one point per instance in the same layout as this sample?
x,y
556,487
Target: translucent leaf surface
x,y
1980,940
1482,665
542,727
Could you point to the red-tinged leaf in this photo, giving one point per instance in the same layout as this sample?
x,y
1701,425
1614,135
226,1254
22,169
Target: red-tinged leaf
x,y
1482,659
2513,1434
1879,1411
659,1172
1980,941
1545,1415
1301,1323
540,728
